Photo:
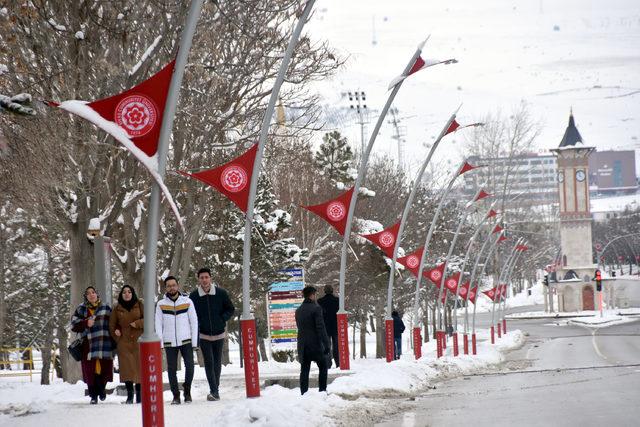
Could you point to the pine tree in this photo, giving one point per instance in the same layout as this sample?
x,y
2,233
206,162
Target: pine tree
x,y
334,157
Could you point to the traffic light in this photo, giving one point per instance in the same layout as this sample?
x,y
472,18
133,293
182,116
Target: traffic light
x,y
598,280
546,280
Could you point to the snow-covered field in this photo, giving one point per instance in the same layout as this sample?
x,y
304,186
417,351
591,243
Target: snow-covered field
x,y
550,54
23,403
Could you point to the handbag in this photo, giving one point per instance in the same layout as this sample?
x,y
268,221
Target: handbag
x,y
75,348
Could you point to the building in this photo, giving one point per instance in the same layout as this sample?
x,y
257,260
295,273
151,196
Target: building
x,y
530,174
613,172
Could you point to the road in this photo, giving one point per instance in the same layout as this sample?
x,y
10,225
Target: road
x,y
564,375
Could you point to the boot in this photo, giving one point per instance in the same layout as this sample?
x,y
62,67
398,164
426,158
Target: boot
x,y
138,394
176,399
129,386
93,394
102,391
187,393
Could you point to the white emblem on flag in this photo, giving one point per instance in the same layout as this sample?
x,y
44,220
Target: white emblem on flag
x,y
413,261
234,178
387,239
136,114
436,275
336,211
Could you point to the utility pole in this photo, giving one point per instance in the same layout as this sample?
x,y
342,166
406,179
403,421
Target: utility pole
x,y
398,135
357,103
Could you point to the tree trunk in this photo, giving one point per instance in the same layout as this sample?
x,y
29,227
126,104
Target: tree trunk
x,y
380,344
225,353
353,340
262,349
46,354
363,338
425,324
433,322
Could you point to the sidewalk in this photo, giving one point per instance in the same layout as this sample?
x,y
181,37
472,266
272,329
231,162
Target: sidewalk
x,y
571,314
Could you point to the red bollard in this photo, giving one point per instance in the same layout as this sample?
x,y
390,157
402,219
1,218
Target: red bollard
x,y
343,341
504,325
438,344
417,343
499,330
465,340
444,341
455,344
493,337
151,384
389,339
250,355
473,343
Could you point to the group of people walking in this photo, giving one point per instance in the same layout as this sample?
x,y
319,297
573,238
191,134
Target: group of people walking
x,y
182,322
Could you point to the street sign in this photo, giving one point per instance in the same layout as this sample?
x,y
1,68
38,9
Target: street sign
x,y
283,298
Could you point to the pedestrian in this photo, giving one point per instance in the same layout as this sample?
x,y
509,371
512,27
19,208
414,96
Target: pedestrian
x,y
313,341
177,327
126,325
213,308
398,329
330,305
91,320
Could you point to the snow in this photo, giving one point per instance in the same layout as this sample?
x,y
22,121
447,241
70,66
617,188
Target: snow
x,y
29,404
120,16
145,55
615,204
609,317
79,35
366,192
57,26
94,224
81,109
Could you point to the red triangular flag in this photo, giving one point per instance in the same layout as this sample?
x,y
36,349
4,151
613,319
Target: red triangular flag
x,y
497,229
466,167
452,127
463,291
231,179
502,239
451,283
491,213
472,294
412,261
385,239
334,211
491,293
417,66
522,248
133,118
503,290
435,274
481,195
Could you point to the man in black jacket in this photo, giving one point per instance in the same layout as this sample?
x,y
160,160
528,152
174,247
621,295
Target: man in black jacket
x,y
330,305
213,308
313,341
398,329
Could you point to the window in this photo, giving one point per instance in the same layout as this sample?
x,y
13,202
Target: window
x,y
617,173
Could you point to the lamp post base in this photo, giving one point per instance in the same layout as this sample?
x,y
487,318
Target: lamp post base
x,y
504,325
343,340
250,356
388,323
455,344
151,384
499,329
465,341
473,344
493,335
417,343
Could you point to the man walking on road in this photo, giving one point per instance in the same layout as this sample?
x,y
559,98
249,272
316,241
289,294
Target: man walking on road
x,y
177,327
313,341
214,309
330,307
398,329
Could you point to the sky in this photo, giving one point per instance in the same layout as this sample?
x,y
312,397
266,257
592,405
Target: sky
x,y
551,55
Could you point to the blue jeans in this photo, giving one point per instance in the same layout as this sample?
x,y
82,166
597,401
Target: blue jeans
x,y
398,347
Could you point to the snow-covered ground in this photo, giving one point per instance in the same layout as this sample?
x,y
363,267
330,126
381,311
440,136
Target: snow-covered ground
x,y
518,300
571,314
24,403
609,317
550,54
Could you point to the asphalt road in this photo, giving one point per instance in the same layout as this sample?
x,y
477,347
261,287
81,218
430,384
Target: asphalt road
x,y
564,375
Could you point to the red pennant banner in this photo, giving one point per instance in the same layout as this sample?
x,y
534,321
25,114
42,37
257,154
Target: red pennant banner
x,y
412,261
502,239
452,127
417,66
231,179
435,274
451,283
473,292
497,229
466,167
492,213
491,294
522,248
463,291
334,211
385,239
481,195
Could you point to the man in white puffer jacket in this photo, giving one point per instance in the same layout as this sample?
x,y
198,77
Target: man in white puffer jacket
x,y
177,327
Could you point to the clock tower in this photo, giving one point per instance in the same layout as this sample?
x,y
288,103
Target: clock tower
x,y
575,216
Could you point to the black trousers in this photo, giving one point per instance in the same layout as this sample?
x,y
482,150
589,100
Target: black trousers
x,y
98,387
305,367
212,354
335,348
186,351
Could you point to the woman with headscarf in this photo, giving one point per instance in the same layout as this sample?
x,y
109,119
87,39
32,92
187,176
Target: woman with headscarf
x,y
126,326
91,320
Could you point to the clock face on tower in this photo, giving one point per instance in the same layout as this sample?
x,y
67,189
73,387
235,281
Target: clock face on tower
x,y
580,175
561,176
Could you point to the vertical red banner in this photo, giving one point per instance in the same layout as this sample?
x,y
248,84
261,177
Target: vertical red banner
x,y
250,355
465,339
343,341
417,343
473,344
444,341
499,329
388,332
493,335
438,344
504,325
455,344
151,384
